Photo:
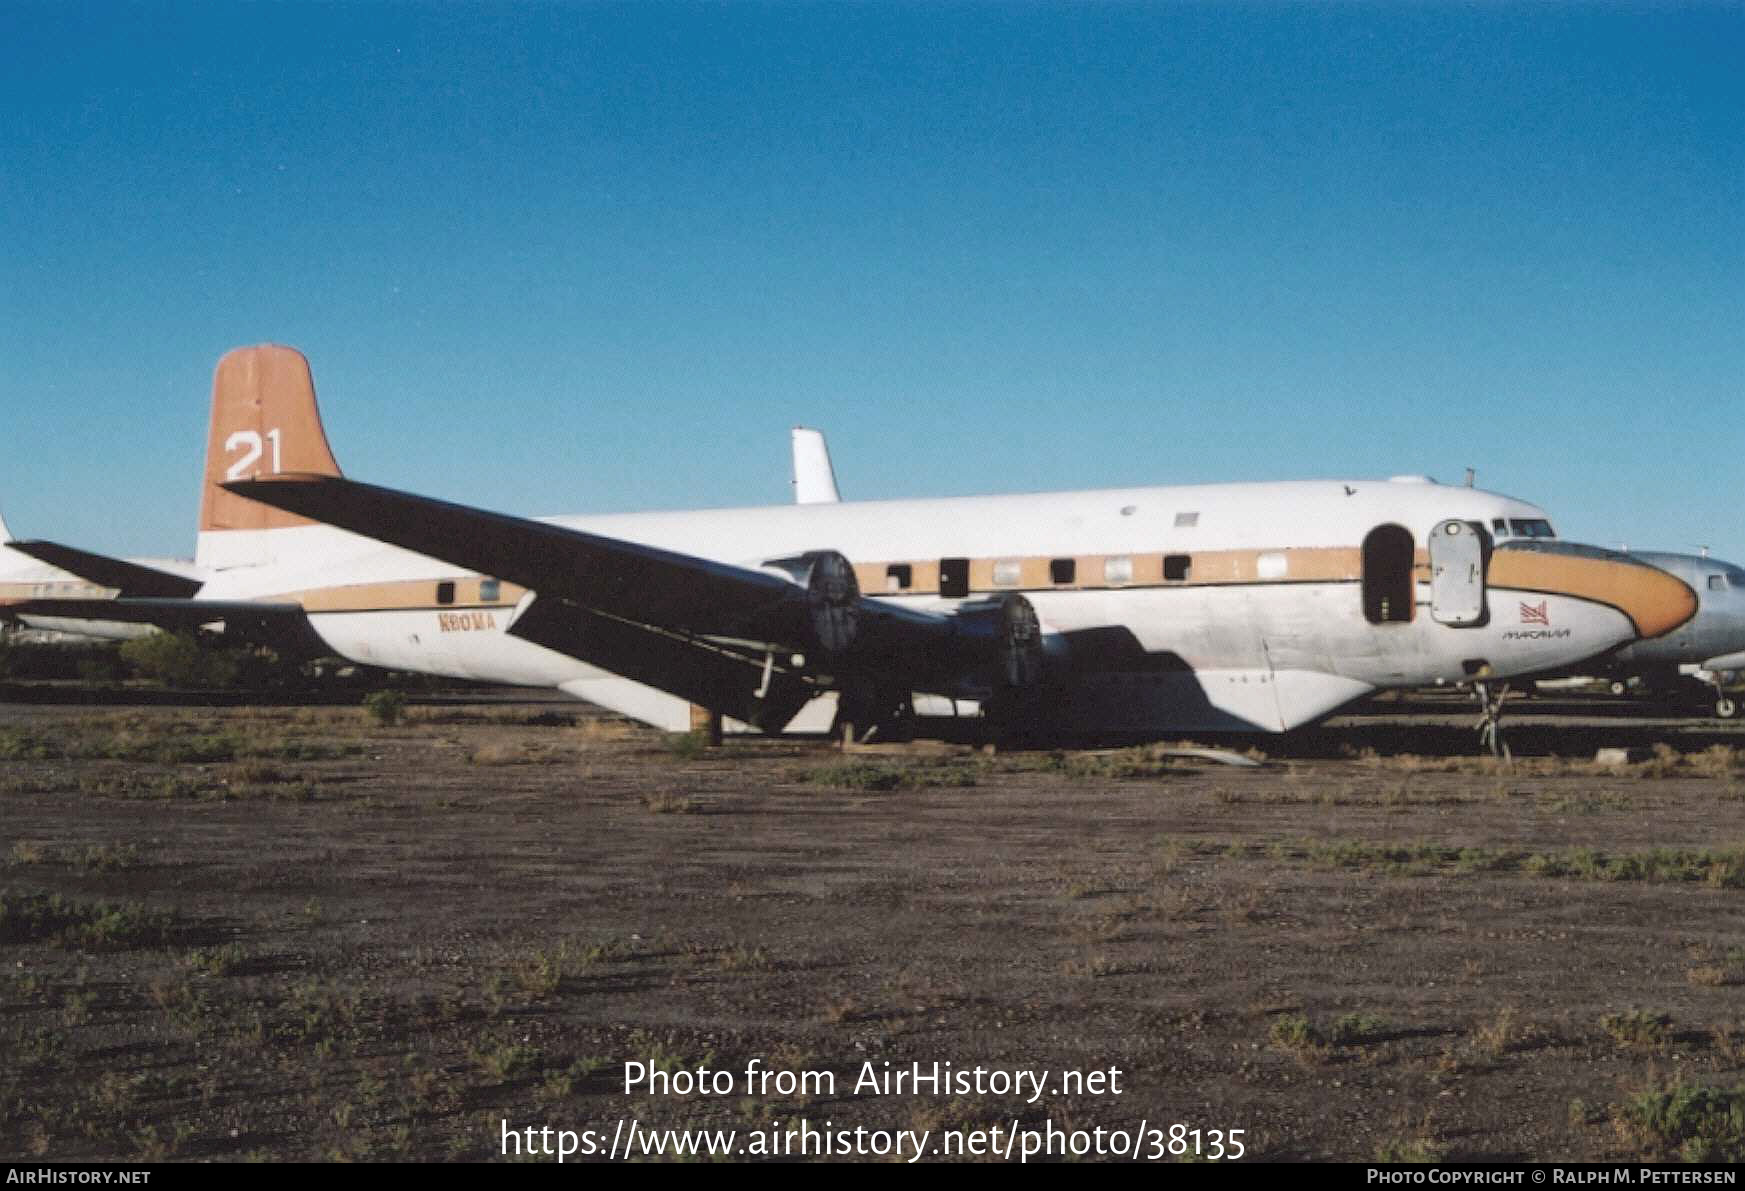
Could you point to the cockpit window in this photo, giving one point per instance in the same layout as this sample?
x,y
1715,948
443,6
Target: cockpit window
x,y
1736,578
1717,582
1499,527
1534,527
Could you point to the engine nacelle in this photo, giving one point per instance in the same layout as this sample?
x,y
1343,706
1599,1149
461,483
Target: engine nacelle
x,y
832,598
1000,636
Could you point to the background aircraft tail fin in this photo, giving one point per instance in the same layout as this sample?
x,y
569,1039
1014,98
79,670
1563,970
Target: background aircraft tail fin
x,y
265,422
10,559
814,477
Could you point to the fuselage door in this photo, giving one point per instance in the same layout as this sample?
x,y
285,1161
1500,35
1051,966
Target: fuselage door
x,y
1457,551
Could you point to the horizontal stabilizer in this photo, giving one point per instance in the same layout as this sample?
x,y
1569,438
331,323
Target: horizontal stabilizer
x,y
129,577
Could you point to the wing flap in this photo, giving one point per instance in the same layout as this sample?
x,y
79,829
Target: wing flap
x,y
760,694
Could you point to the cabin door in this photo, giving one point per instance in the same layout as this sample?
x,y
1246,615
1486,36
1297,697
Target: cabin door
x,y
1457,551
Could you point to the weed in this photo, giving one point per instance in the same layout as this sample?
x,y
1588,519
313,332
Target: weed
x,y
686,746
385,707
107,858
215,961
1355,1028
1638,1027
29,917
1294,1033
1410,1149
502,1061
1685,1122
29,852
882,776
741,958
1498,1035
667,802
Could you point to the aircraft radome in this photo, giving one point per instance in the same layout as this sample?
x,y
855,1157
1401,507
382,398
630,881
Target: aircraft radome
x,y
1709,648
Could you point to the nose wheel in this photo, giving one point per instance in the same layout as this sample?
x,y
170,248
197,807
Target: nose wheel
x,y
1725,707
1490,720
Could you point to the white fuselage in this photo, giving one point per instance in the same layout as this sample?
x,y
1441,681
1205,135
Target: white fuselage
x,y
1267,629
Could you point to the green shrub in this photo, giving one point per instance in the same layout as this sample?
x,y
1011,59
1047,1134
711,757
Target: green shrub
x,y
182,660
385,707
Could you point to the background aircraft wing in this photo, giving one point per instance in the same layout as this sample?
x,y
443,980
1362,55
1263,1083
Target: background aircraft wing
x,y
130,578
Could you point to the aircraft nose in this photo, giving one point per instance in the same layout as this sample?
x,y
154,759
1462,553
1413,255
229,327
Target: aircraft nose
x,y
1655,601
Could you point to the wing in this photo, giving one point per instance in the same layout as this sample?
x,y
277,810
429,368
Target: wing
x,y
639,583
129,578
663,617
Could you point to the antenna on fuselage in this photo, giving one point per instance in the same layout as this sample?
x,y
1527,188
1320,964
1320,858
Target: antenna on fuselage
x,y
1471,476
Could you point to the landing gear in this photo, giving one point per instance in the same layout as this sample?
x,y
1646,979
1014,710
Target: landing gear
x,y
1490,728
1725,708
1619,686
866,713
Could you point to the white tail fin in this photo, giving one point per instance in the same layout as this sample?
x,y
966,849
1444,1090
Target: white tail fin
x,y
264,422
814,478
11,560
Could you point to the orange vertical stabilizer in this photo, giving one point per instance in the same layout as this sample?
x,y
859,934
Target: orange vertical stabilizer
x,y
264,422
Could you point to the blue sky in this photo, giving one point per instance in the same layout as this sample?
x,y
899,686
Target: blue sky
x,y
583,258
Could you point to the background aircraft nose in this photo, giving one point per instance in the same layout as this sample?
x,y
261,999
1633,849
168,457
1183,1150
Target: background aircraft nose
x,y
1655,601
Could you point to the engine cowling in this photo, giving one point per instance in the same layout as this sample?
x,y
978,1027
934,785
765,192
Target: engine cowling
x,y
832,598
1001,637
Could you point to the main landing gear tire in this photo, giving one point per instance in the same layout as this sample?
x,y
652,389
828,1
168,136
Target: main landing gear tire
x,y
1726,708
1618,686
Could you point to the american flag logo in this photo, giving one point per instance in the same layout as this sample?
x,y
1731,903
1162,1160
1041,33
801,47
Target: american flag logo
x,y
1536,614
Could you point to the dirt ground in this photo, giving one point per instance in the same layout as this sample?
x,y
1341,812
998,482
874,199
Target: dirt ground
x,y
301,933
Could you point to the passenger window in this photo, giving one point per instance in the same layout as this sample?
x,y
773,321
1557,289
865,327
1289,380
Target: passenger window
x,y
1062,570
490,591
1006,573
898,576
1177,566
1186,520
1118,570
954,578
445,592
